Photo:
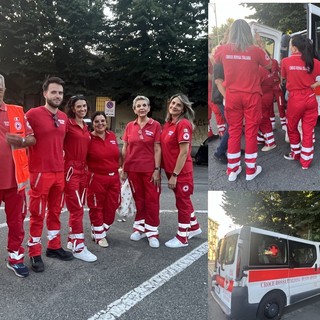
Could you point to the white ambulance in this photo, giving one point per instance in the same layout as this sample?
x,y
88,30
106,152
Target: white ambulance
x,y
259,272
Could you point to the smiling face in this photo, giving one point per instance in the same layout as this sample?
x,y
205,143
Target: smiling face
x,y
175,107
141,108
99,124
80,109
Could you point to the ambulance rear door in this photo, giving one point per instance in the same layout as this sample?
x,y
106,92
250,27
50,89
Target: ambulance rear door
x,y
313,25
270,36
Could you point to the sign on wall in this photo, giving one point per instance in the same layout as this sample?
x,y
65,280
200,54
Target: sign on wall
x,y
110,108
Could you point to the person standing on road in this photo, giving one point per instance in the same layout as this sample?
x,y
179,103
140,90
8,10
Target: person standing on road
x,y
241,60
141,155
15,136
176,140
46,166
300,70
76,146
103,160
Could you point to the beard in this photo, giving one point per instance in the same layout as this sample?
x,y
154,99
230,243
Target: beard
x,y
53,103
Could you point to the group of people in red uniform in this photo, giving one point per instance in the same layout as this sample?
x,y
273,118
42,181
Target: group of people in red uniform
x,y
69,164
252,83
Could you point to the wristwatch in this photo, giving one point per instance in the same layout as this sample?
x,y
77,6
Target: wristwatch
x,y
157,168
175,174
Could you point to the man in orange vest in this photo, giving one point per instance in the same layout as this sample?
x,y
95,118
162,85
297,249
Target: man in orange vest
x,y
15,135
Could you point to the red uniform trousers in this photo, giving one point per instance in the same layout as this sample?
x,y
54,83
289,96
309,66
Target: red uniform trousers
x,y
239,106
302,105
103,200
221,123
187,220
147,198
76,181
46,190
16,210
278,95
265,126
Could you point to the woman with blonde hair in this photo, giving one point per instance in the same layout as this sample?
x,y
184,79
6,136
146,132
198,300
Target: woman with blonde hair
x,y
176,146
241,60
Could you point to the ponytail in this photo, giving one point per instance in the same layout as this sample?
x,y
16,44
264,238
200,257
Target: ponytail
x,y
305,46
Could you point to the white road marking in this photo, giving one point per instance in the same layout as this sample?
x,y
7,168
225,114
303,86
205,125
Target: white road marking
x,y
2,225
115,309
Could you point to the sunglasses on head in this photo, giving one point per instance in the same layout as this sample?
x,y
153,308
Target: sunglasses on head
x,y
56,121
78,96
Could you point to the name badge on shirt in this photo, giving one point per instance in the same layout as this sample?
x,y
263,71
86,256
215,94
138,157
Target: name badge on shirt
x,y
149,133
113,141
170,133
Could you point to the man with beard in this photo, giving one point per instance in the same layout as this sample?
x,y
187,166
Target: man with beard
x,y
46,167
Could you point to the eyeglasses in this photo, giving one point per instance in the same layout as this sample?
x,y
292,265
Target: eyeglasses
x,y
140,134
56,121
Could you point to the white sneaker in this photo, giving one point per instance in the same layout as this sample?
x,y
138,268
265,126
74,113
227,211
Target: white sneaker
x,y
103,243
252,176
194,233
85,255
136,236
69,245
233,175
154,242
175,243
268,147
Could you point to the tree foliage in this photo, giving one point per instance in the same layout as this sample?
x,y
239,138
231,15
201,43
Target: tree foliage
x,y
155,48
291,212
158,48
286,17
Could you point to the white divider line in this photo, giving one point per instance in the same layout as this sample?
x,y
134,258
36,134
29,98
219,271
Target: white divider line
x,y
117,308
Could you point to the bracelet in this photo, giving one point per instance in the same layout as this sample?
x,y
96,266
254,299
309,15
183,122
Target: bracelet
x,y
157,168
175,174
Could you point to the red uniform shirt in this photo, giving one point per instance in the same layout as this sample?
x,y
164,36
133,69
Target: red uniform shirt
x,y
7,169
267,80
47,154
293,69
76,142
140,149
103,155
241,69
172,135
275,69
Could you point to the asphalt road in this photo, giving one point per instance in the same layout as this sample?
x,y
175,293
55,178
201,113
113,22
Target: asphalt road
x,y
129,280
277,172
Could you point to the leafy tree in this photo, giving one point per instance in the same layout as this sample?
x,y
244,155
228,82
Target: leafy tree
x,y
290,212
158,48
287,17
46,37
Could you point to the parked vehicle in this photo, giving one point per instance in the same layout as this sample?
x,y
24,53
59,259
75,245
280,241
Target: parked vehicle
x,y
259,272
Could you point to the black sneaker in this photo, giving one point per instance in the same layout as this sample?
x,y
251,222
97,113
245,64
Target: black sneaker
x,y
37,264
19,269
60,254
222,159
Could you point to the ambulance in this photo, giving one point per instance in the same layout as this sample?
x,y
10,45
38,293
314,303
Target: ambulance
x,y
258,273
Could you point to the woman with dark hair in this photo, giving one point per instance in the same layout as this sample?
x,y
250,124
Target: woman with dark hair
x,y
241,60
176,139
76,145
300,70
103,161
